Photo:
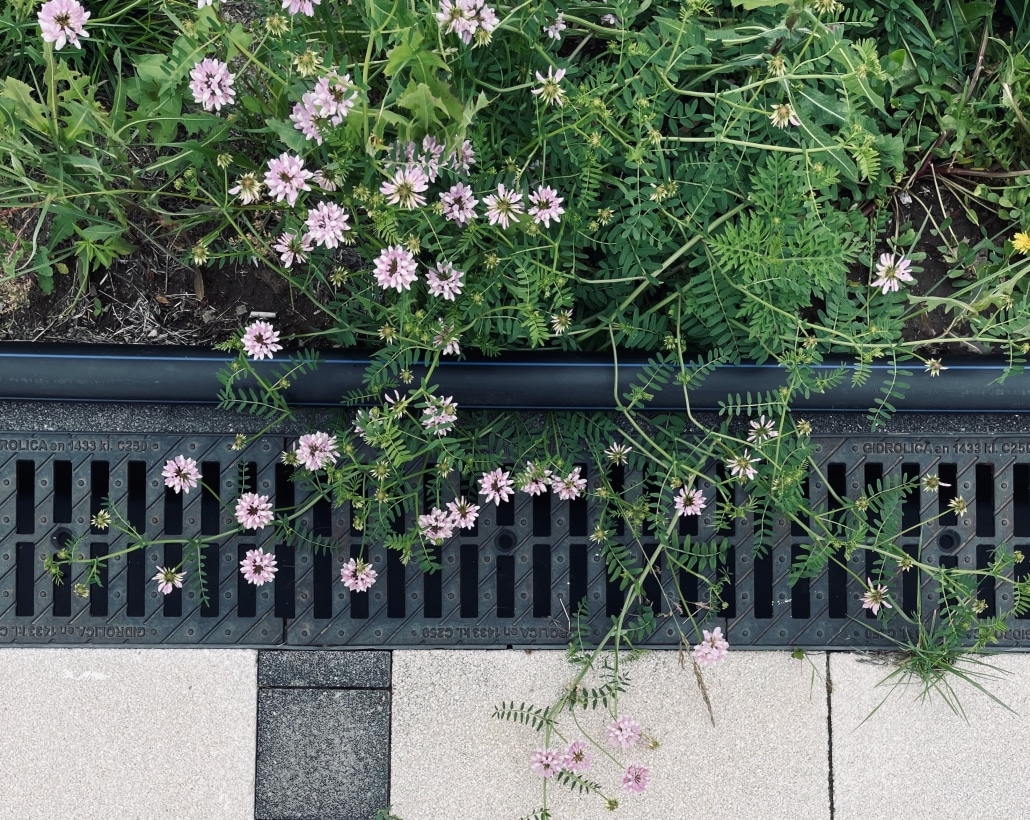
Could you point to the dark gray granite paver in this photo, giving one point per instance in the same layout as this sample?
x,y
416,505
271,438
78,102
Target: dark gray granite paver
x,y
322,754
327,669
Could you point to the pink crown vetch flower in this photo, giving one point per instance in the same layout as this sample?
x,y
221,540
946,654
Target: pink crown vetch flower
x,y
357,575
181,474
253,511
258,567
62,22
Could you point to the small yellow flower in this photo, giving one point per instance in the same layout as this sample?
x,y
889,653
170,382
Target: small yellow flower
x,y
1021,242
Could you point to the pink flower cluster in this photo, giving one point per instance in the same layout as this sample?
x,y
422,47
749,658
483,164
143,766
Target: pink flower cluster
x,y
318,450
305,7
569,487
556,27
712,649
548,762
446,340
505,206
325,106
496,486
260,340
259,567
689,501
395,268
636,778
62,22
357,575
439,415
286,178
469,19
326,224
437,526
212,84
181,474
429,160
253,511
445,280
459,205
535,479
624,733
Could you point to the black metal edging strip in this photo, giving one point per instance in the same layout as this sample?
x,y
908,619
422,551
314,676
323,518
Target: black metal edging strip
x,y
177,375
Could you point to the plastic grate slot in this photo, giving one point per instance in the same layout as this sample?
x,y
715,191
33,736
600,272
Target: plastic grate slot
x,y
505,572
800,593
358,600
1021,572
541,580
98,592
25,493
729,524
910,507
285,578
209,556
210,506
948,474
762,571
579,568
396,584
468,590
948,562
246,593
171,606
613,597
985,588
649,491
505,514
135,570
24,578
799,528
726,571
873,475
984,508
542,515
432,587
100,489
578,526
652,583
1021,500
62,595
62,492
836,571
910,583
688,593
617,481
323,561
172,512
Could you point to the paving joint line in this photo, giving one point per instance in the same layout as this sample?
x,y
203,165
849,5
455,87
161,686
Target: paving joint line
x,y
829,734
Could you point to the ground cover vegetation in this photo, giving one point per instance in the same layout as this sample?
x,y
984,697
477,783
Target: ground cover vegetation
x,y
698,183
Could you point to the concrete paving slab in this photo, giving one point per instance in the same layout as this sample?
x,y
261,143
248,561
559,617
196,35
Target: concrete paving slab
x,y
326,669
322,754
127,733
766,756
915,758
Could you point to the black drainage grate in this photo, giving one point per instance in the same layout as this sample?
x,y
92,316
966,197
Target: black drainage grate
x,y
513,580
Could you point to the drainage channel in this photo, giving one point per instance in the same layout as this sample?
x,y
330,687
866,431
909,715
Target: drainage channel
x,y
511,581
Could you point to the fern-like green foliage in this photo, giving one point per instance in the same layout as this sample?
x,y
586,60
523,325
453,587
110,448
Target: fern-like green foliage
x,y
525,715
772,262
